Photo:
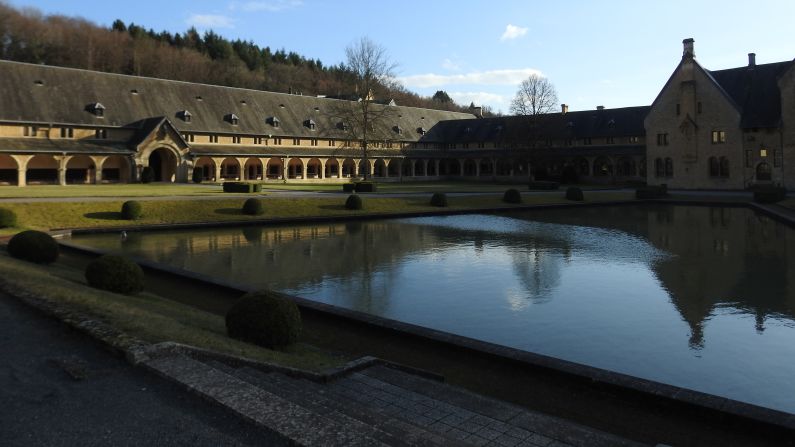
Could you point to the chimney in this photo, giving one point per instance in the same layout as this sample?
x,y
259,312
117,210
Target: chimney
x,y
752,59
600,107
564,108
688,52
476,110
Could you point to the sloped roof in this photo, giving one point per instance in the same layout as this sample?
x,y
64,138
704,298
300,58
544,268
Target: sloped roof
x,y
57,95
755,91
62,145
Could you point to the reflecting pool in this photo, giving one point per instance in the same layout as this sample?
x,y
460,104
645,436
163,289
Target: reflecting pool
x,y
699,297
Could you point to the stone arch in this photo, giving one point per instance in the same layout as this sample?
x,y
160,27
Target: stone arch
x,y
602,167
332,168
295,168
379,168
348,168
450,166
80,170
207,165
406,167
486,167
504,166
275,168
419,168
230,169
253,169
393,167
365,168
763,172
8,170
163,163
582,167
313,168
470,168
116,169
432,170
625,167
43,170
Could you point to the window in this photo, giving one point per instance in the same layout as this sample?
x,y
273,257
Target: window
x,y
101,134
296,141
233,119
332,143
714,167
777,159
568,142
659,168
718,137
465,146
67,132
188,137
185,115
235,140
610,140
669,167
662,139
274,122
586,141
310,124
213,138
98,110
724,167
634,139
31,131
678,110
314,142
481,145
277,141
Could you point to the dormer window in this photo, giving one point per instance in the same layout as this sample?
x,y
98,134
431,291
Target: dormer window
x,y
243,102
281,106
133,92
101,134
199,98
232,119
398,130
273,121
421,130
97,109
310,124
185,116
38,82
342,125
317,109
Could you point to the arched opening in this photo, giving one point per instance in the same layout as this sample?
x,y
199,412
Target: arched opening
x,y
8,170
207,165
163,163
364,168
295,168
116,169
253,169
486,167
42,170
348,168
504,167
275,168
582,166
313,168
379,168
602,167
625,167
432,164
406,167
763,172
470,168
419,168
394,167
332,168
230,169
80,170
450,167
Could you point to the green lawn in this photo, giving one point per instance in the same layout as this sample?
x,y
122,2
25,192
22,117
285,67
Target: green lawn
x,y
147,316
120,190
413,187
52,215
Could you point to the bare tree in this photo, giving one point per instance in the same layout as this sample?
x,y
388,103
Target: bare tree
x,y
364,120
536,96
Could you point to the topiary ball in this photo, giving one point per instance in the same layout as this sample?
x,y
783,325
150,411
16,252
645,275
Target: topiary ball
x,y
34,246
439,199
512,196
131,210
116,274
354,202
7,218
253,207
574,193
147,175
264,318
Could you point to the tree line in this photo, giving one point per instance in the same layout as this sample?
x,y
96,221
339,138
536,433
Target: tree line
x,y
27,35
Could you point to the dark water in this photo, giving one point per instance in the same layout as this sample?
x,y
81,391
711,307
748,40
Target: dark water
x,y
697,297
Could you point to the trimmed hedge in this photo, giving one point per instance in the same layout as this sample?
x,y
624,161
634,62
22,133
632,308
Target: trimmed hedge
x,y
353,202
264,318
651,192
769,194
253,207
116,274
574,193
147,175
244,187
34,246
543,186
198,175
365,187
439,199
348,187
7,218
131,210
512,196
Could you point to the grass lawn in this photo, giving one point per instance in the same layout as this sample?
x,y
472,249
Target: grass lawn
x,y
147,316
120,190
52,215
412,187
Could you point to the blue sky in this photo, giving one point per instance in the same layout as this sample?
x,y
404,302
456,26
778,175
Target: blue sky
x,y
611,53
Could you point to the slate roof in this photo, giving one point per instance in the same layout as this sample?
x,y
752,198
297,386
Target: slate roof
x,y
59,146
754,89
57,95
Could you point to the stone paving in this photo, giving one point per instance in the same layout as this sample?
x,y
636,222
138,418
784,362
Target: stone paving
x,y
375,406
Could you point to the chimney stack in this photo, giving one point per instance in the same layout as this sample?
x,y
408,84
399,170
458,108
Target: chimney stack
x,y
564,108
600,107
752,59
688,51
476,110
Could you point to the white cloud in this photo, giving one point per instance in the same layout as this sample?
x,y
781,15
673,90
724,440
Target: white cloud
x,y
490,77
448,64
513,32
479,98
210,21
270,6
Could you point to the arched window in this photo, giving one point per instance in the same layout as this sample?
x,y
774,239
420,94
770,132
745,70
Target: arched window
x,y
714,167
763,172
724,167
669,167
659,168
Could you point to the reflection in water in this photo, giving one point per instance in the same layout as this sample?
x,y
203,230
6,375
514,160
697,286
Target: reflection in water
x,y
695,296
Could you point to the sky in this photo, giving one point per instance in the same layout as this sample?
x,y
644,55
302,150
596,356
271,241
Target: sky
x,y
610,53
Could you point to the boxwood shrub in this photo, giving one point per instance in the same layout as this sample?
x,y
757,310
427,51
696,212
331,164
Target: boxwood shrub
x,y
574,193
253,207
353,202
512,196
264,318
131,210
7,218
147,175
439,199
365,187
116,274
34,246
243,187
348,187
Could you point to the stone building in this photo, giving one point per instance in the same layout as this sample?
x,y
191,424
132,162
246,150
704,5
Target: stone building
x,y
724,129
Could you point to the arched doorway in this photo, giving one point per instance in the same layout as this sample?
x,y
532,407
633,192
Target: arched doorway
x,y
470,168
364,168
163,163
348,168
379,169
332,168
419,168
763,172
230,169
80,170
313,168
394,167
207,166
431,171
602,167
295,169
275,168
42,170
625,167
115,169
8,170
407,165
253,169
486,167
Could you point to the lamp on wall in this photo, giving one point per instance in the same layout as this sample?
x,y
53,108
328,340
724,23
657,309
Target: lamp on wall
x,y
763,152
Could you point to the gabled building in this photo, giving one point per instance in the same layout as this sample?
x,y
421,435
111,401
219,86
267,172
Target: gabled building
x,y
725,129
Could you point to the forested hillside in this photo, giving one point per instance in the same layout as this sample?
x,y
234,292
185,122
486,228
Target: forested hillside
x,y
27,35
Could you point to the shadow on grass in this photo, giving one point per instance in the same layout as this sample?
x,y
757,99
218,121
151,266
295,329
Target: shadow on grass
x,y
104,215
333,207
230,211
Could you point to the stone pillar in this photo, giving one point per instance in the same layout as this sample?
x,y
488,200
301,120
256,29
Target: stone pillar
x,y
436,165
98,162
322,173
22,168
425,167
461,167
386,168
413,168
218,162
243,172
477,167
355,172
494,169
62,162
